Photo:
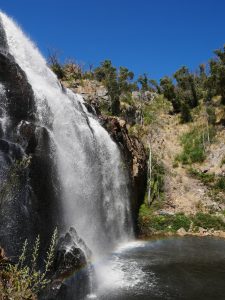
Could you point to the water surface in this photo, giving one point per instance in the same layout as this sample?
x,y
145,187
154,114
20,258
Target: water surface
x,y
172,268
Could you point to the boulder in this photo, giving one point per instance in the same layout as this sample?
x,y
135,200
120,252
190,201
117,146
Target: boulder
x,y
70,273
181,231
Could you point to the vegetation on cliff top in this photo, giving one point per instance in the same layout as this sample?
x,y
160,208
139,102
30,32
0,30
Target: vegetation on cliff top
x,y
184,89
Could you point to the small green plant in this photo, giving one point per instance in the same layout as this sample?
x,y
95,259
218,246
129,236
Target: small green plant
x,y
206,178
215,183
23,280
194,145
220,184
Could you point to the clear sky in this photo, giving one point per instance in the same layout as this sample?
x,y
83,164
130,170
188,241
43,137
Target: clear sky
x,y
152,36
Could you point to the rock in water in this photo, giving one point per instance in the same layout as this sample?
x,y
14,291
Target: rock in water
x,y
71,273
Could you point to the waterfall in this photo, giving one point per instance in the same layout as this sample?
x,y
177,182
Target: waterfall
x,y
93,180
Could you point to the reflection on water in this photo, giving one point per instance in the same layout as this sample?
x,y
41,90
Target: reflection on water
x,y
172,268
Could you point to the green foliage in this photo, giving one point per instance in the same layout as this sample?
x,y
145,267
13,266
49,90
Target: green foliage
x,y
116,82
211,115
175,164
184,90
157,181
185,113
216,80
216,183
124,80
148,84
25,281
193,148
13,179
208,221
163,223
193,144
149,222
220,183
168,90
151,110
206,178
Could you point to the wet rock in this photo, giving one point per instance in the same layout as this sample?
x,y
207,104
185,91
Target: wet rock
x,y
19,94
70,278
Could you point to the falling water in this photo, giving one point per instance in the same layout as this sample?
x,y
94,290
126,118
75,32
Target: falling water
x,y
95,196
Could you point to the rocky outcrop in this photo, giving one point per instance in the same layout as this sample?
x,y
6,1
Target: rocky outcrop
x,y
135,157
93,92
70,274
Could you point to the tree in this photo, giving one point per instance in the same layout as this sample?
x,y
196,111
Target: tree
x,y
143,80
216,79
107,74
124,80
168,90
148,84
185,113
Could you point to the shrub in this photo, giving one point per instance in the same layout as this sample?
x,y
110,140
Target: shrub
x,y
164,223
25,281
194,145
208,221
206,178
216,183
181,221
220,184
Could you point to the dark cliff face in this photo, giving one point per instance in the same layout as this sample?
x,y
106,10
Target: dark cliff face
x,y
135,157
28,184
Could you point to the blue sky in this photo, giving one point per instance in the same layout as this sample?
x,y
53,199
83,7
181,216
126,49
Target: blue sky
x,y
156,37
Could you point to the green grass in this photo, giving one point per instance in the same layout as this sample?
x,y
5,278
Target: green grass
x,y
164,223
149,222
193,146
208,221
152,109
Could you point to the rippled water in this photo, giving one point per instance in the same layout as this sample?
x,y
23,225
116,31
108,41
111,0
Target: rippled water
x,y
172,268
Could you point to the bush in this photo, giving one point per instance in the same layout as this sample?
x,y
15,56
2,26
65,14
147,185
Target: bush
x,y
206,178
216,183
208,221
164,223
25,281
193,145
220,184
